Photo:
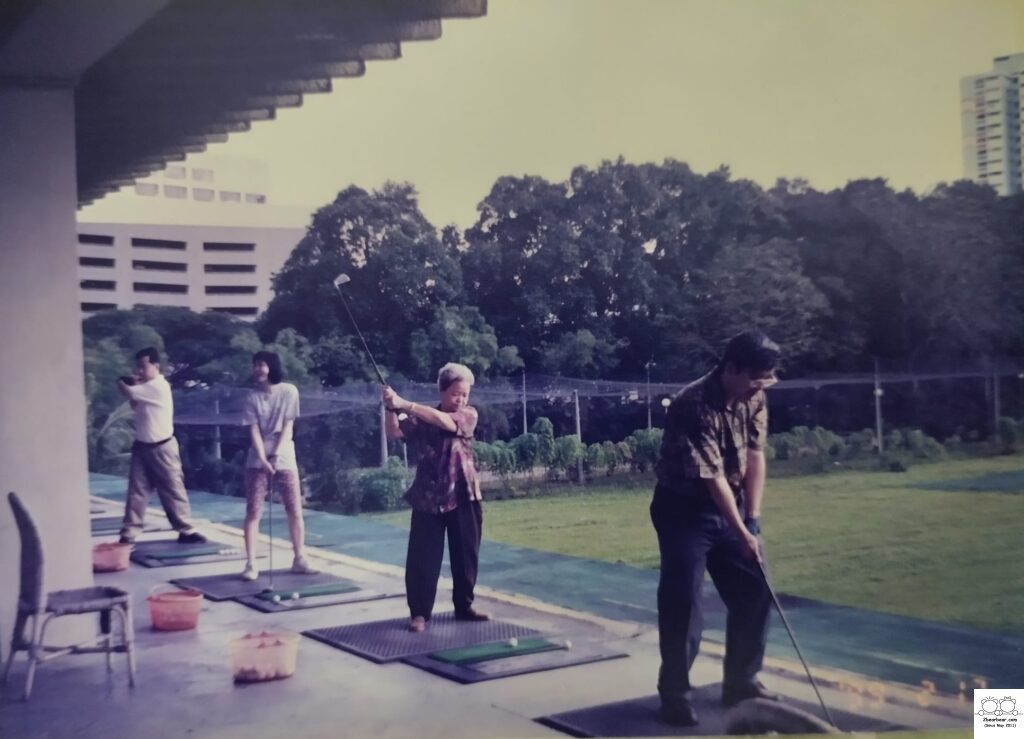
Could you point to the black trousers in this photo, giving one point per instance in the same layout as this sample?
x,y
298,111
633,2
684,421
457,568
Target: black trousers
x,y
464,526
693,540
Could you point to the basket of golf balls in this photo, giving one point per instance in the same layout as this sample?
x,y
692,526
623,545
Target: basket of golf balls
x,y
267,655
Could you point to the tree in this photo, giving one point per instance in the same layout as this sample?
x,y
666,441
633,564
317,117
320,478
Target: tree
x,y
745,286
527,449
575,273
462,335
580,354
186,339
401,274
545,433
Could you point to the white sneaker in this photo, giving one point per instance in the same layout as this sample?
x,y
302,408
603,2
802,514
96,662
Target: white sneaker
x,y
251,572
301,566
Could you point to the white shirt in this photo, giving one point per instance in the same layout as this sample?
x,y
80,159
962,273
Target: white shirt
x,y
270,411
154,410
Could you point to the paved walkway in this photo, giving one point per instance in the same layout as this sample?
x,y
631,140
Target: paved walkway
x,y
876,645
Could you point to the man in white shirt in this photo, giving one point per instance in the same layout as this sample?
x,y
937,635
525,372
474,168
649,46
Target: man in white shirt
x,y
156,462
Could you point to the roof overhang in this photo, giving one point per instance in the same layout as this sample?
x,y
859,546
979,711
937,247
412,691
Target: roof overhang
x,y
156,80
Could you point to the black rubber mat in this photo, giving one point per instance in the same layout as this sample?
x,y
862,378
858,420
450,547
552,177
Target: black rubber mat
x,y
107,525
639,717
391,640
521,664
231,585
169,553
351,594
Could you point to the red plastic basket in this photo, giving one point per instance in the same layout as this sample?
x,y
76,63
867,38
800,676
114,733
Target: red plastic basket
x,y
172,609
110,557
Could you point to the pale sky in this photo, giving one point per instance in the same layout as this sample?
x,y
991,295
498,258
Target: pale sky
x,y
828,90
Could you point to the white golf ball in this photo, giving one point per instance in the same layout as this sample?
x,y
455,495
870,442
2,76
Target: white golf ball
x,y
568,644
295,596
276,598
513,642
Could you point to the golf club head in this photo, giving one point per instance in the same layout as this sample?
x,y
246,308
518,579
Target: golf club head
x,y
341,279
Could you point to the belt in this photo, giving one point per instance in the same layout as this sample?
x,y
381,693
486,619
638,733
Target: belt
x,y
152,444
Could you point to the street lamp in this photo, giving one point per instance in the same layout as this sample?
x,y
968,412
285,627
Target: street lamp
x,y
665,403
650,363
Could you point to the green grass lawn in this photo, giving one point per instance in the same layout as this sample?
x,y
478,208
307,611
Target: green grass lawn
x,y
875,540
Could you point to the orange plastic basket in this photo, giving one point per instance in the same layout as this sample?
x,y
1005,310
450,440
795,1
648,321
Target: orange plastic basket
x,y
110,557
268,655
172,609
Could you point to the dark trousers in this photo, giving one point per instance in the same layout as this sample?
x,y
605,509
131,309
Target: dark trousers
x,y
692,541
464,526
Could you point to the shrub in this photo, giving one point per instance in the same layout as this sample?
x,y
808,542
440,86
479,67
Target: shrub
x,y
1009,434
484,455
623,454
892,463
372,488
611,457
596,458
644,444
503,460
545,432
802,441
860,444
894,439
526,448
568,451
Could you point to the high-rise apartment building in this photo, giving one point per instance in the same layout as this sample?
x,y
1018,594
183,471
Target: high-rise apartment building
x,y
993,123
199,235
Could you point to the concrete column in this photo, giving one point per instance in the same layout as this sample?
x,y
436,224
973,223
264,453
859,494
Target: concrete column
x,y
42,402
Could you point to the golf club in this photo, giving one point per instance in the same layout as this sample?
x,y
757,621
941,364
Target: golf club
x,y
270,524
343,279
785,622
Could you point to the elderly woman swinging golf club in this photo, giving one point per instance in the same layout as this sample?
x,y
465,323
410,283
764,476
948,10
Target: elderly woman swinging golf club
x,y
445,494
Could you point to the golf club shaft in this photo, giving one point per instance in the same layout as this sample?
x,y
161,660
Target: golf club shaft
x,y
792,637
366,348
270,524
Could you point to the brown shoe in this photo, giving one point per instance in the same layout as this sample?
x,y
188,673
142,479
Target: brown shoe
x,y
471,615
417,624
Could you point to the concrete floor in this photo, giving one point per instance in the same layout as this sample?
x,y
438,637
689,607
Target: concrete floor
x,y
185,689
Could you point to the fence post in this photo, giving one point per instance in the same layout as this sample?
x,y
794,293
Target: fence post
x,y
579,433
997,406
383,436
216,430
525,427
878,410
648,366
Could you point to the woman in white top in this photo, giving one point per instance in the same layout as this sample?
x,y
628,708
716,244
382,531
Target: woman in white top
x,y
270,412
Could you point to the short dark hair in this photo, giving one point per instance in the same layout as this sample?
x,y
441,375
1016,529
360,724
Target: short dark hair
x,y
273,362
751,351
149,353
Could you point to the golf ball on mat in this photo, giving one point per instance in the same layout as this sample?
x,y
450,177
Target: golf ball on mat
x,y
295,596
513,642
568,644
276,598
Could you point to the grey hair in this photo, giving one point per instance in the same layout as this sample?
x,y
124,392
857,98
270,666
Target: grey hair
x,y
453,372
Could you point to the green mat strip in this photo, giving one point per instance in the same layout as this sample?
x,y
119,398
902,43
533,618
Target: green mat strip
x,y
187,553
334,588
495,650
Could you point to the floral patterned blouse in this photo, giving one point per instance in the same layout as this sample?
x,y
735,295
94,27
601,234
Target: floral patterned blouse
x,y
445,469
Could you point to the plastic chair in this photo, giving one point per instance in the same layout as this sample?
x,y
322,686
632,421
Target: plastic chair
x,y
36,609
